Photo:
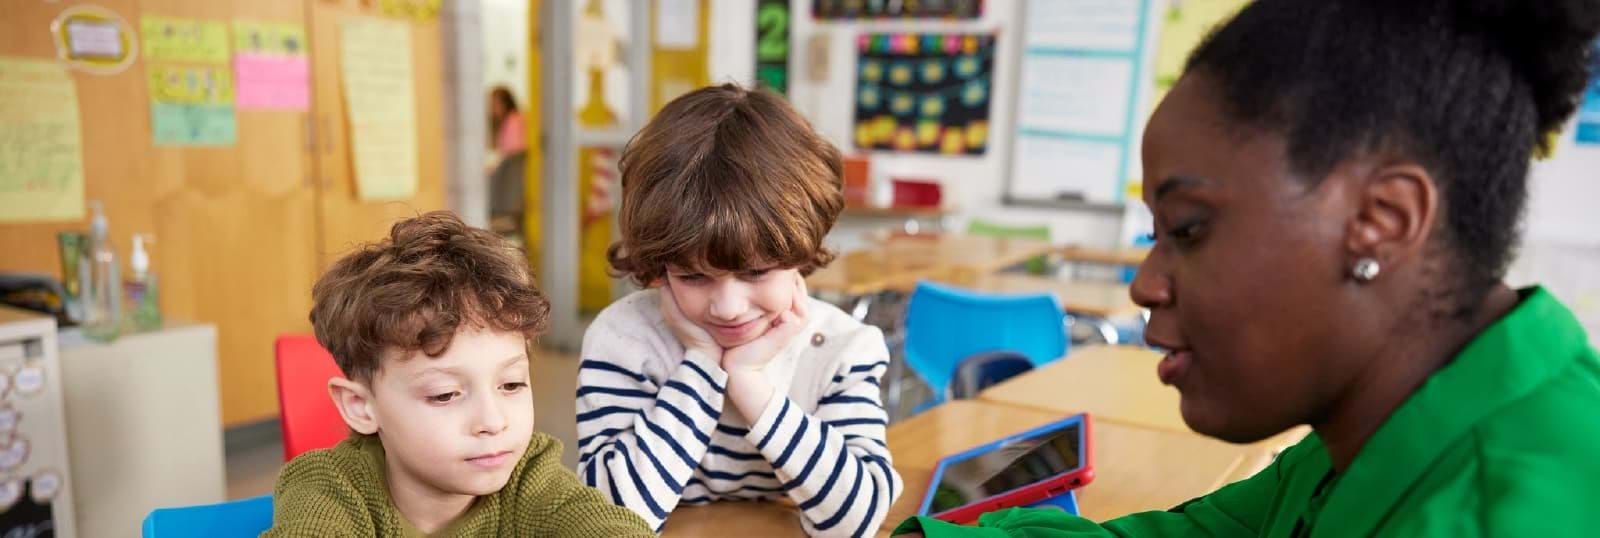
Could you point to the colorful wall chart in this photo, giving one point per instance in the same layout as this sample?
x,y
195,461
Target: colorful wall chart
x,y
897,9
925,93
191,85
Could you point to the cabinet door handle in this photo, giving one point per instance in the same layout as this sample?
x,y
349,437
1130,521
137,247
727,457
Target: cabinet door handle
x,y
327,136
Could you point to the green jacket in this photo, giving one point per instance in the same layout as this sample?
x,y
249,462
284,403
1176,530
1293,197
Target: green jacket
x,y
1503,441
341,492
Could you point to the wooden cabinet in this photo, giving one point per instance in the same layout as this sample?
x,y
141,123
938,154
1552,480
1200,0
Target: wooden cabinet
x,y
346,220
242,231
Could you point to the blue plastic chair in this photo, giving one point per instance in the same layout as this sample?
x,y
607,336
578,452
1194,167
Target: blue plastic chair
x,y
945,325
244,517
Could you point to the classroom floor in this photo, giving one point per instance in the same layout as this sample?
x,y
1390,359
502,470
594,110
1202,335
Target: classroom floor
x,y
252,469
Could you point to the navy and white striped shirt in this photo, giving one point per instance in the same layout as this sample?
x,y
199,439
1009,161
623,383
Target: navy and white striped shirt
x,y
654,432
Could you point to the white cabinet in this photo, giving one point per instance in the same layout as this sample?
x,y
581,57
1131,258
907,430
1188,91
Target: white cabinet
x,y
144,422
36,488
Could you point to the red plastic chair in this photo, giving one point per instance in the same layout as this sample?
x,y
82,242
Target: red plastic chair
x,y
305,411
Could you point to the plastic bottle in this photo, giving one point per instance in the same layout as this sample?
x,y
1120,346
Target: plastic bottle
x,y
143,307
102,297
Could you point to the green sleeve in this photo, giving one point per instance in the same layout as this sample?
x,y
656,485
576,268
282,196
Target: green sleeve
x,y
312,498
1238,509
561,505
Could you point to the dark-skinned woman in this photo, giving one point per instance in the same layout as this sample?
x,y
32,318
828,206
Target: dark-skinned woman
x,y
1337,187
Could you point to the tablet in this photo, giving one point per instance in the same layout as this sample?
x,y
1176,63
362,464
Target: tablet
x,y
1021,470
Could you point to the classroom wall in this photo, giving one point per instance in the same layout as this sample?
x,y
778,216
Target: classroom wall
x,y
243,229
504,25
1561,247
975,185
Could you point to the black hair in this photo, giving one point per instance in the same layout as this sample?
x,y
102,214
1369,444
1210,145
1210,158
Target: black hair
x,y
1468,89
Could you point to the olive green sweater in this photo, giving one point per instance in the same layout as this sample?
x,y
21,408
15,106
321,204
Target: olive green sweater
x,y
341,492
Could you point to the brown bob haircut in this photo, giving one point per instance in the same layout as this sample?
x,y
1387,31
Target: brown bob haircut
x,y
730,179
413,289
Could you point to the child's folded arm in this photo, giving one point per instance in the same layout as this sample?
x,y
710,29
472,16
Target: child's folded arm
x,y
545,499
639,442
834,463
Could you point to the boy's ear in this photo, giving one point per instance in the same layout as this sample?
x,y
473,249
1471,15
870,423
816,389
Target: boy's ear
x,y
354,401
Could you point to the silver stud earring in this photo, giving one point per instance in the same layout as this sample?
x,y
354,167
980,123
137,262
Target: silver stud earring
x,y
1365,270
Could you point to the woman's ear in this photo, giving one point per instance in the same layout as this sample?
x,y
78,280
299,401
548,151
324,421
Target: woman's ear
x,y
354,401
1396,207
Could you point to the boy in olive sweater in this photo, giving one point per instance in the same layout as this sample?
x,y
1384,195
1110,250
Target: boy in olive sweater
x,y
431,327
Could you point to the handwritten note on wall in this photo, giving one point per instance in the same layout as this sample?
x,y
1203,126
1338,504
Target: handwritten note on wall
x,y
41,154
375,57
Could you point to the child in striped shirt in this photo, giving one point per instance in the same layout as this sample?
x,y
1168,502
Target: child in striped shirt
x,y
726,381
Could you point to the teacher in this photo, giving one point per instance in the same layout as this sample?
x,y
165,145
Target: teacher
x,y
1337,187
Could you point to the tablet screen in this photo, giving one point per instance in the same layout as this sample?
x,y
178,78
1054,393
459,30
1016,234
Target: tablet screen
x,y
1009,466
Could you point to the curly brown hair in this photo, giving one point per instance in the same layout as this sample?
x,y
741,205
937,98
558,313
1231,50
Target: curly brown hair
x,y
413,289
730,179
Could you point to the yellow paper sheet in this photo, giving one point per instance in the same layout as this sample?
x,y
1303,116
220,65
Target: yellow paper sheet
x,y
195,85
184,40
269,37
376,60
1184,24
41,154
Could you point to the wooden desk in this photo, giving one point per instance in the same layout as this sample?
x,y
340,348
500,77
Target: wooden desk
x,y
731,518
1125,256
1107,300
779,519
899,261
1117,383
1136,468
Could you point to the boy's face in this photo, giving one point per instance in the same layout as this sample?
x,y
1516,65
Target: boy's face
x,y
457,423
734,308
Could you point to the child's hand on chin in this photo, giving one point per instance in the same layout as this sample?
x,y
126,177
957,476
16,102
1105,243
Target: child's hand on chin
x,y
755,354
690,335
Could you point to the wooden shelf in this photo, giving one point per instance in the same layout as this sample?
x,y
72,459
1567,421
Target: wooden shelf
x,y
854,210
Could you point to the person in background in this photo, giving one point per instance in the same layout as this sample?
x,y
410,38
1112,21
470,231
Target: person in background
x,y
507,135
506,168
1337,187
431,328
729,382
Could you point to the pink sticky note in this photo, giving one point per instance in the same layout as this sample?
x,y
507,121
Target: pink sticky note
x,y
271,82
